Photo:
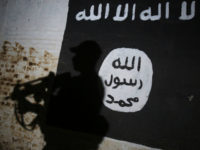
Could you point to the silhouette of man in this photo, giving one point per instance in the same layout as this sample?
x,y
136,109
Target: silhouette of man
x,y
75,102
78,100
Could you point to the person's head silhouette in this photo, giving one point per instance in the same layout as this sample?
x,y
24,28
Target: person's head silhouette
x,y
86,56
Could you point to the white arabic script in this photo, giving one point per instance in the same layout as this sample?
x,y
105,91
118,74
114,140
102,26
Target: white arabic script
x,y
127,11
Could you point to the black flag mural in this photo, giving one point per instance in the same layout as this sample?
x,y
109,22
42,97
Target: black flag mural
x,y
143,57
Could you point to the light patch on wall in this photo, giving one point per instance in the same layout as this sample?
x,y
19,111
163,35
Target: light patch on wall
x,y
127,77
20,64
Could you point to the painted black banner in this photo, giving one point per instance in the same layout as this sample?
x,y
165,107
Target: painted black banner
x,y
149,37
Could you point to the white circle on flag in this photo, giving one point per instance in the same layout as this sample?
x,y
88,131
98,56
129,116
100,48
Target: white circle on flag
x,y
126,74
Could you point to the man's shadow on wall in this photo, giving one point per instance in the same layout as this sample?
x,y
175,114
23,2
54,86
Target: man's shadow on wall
x,y
74,105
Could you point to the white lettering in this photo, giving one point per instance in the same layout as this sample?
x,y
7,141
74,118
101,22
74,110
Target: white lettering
x,y
167,10
118,12
122,12
145,15
184,14
94,17
133,11
107,10
80,15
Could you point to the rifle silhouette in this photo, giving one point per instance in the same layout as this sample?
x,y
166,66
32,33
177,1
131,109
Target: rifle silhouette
x,y
40,89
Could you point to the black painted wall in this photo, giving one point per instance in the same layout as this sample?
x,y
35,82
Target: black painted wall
x,y
170,119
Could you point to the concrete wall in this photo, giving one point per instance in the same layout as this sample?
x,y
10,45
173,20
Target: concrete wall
x,y
31,33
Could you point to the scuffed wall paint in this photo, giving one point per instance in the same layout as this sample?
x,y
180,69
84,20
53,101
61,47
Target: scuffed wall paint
x,y
31,34
20,64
